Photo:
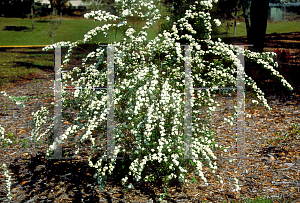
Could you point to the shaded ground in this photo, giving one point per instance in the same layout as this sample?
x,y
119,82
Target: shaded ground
x,y
289,67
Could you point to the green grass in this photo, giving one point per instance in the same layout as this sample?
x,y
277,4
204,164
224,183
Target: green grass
x,y
272,28
283,27
70,30
21,63
264,199
75,29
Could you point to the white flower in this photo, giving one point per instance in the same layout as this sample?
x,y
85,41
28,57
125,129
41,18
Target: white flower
x,y
254,101
217,22
130,186
8,181
129,31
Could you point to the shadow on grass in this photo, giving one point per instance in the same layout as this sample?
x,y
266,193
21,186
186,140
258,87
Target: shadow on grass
x,y
43,21
16,28
32,65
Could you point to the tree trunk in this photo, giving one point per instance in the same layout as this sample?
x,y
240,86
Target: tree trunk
x,y
234,33
246,18
32,25
258,17
60,16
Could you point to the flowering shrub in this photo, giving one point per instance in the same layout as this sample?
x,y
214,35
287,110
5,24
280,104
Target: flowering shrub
x,y
149,94
156,127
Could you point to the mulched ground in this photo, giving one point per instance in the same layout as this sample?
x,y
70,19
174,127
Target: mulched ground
x,y
36,179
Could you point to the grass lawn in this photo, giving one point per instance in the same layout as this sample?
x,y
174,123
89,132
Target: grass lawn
x,y
290,25
272,28
70,30
17,31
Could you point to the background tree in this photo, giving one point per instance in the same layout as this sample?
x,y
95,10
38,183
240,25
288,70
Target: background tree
x,y
53,25
33,8
59,5
20,9
224,10
258,17
256,28
31,2
106,5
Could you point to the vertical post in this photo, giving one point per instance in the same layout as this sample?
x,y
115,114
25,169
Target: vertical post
x,y
284,12
240,136
110,102
57,107
188,106
241,106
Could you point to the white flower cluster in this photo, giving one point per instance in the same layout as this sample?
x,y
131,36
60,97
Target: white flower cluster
x,y
129,32
98,164
2,135
230,51
92,54
202,15
63,44
69,131
200,173
124,180
100,16
16,99
40,118
8,181
274,72
237,187
218,22
94,32
206,4
254,101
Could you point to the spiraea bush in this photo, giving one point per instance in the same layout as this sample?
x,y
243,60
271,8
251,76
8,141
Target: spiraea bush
x,y
149,95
